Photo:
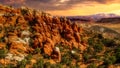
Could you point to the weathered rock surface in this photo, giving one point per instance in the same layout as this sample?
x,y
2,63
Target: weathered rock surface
x,y
25,29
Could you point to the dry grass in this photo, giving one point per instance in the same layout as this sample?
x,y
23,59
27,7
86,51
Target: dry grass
x,y
114,26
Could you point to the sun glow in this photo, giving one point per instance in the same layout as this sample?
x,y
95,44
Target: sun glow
x,y
88,10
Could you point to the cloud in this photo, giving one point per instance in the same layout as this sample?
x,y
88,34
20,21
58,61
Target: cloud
x,y
55,4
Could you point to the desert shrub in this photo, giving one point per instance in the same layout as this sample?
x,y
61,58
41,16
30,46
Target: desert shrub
x,y
35,66
47,65
102,66
37,50
39,64
31,42
22,63
109,42
60,47
66,59
46,56
77,65
75,56
71,66
92,65
3,53
90,50
1,29
24,11
53,66
9,66
98,47
59,65
97,57
86,57
2,39
100,36
113,59
110,60
90,41
29,56
77,50
117,54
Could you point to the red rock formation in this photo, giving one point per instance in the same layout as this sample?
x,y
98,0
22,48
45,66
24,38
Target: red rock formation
x,y
45,31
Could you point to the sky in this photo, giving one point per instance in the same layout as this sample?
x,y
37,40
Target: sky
x,y
69,7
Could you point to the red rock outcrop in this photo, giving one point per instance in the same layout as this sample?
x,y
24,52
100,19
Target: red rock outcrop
x,y
45,31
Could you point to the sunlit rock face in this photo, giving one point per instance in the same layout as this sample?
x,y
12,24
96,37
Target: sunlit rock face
x,y
26,30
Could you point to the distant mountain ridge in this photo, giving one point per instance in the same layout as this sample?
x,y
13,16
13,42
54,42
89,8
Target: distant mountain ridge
x,y
109,20
95,17
103,15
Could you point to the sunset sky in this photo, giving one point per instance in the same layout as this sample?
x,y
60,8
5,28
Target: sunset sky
x,y
69,7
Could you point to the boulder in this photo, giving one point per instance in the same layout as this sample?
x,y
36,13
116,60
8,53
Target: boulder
x,y
56,55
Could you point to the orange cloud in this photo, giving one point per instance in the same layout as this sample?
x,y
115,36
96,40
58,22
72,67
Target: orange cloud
x,y
14,1
88,10
69,7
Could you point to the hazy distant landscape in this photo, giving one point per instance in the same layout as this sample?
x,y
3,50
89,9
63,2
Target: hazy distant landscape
x,y
111,21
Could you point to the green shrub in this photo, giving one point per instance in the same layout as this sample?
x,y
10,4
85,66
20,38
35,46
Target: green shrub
x,y
86,57
98,47
35,66
39,64
102,66
46,56
71,66
29,56
59,65
9,66
37,50
22,63
91,41
92,65
2,39
2,53
53,66
109,42
24,11
75,56
117,57
66,59
47,65
110,60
